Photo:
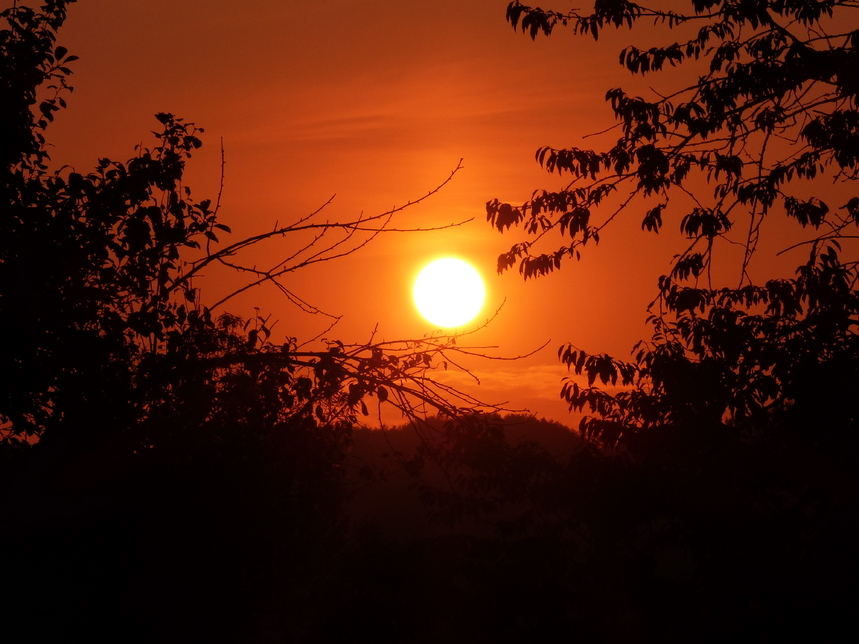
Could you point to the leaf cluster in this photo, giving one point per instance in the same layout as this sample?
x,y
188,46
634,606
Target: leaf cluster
x,y
775,101
773,108
33,74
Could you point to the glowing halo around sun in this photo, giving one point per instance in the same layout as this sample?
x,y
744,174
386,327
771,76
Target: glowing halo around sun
x,y
449,292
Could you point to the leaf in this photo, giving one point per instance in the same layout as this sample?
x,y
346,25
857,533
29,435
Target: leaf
x,y
653,219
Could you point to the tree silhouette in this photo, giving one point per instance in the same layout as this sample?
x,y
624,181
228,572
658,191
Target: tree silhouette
x,y
98,283
773,107
176,474
719,494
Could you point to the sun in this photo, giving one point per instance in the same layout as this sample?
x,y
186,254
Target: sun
x,y
449,292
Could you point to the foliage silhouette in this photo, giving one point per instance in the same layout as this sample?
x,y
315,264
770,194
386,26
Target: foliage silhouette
x,y
719,492
175,474
111,313
775,104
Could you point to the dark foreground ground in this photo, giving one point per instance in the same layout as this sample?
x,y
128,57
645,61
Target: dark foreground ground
x,y
129,553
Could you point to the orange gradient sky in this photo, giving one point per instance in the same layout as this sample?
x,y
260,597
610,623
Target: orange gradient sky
x,y
376,102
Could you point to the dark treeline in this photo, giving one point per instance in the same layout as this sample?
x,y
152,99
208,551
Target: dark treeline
x,y
702,536
394,474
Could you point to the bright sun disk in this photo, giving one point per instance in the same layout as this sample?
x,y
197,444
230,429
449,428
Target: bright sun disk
x,y
449,292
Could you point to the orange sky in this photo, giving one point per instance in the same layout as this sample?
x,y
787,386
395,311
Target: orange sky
x,y
375,101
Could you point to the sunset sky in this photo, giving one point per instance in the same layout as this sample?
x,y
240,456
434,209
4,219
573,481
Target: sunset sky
x,y
376,102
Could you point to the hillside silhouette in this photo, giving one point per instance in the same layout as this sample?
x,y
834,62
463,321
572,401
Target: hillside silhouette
x,y
385,479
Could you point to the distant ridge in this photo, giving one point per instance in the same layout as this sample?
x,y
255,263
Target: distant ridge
x,y
384,501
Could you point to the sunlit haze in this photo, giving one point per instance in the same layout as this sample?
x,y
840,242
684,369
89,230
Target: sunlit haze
x,y
374,104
